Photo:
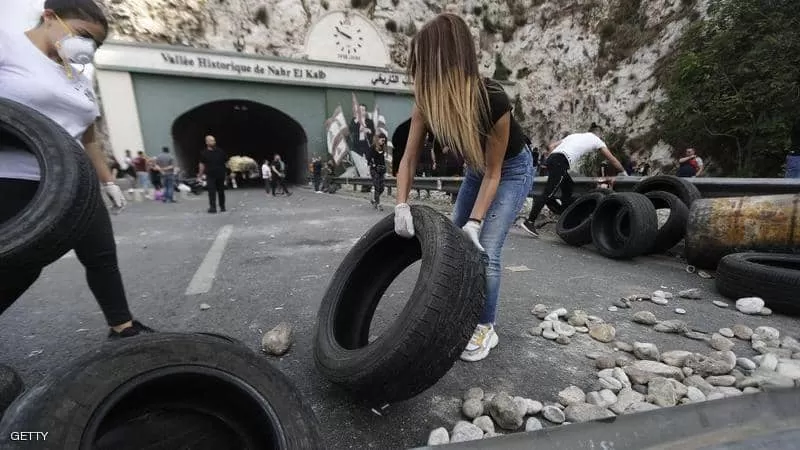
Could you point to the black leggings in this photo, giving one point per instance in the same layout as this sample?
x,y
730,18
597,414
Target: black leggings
x,y
97,251
378,181
278,181
557,178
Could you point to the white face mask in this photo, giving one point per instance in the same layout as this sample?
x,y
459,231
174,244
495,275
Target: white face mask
x,y
76,49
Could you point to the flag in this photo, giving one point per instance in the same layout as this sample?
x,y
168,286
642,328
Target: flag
x,y
380,127
359,118
337,132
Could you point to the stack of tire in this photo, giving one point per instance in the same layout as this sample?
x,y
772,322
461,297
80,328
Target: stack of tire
x,y
625,225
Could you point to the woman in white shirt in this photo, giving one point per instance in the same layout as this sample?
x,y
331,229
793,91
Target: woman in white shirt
x,y
40,68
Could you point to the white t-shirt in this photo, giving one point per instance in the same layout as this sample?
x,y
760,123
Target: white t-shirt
x,y
29,77
576,145
265,171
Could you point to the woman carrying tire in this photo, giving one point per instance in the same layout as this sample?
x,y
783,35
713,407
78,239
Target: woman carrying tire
x,y
471,115
38,69
376,158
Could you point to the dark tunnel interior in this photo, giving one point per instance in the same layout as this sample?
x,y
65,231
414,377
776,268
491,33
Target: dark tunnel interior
x,y
243,128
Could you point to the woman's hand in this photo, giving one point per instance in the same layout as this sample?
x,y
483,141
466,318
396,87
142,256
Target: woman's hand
x,y
473,231
403,222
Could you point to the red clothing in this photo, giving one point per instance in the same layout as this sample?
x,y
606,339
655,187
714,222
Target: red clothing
x,y
140,164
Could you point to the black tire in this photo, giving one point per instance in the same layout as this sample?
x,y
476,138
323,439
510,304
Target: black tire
x,y
67,197
772,276
10,387
624,225
574,225
434,326
121,396
604,191
680,187
674,229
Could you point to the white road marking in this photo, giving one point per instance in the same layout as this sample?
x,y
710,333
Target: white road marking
x,y
204,277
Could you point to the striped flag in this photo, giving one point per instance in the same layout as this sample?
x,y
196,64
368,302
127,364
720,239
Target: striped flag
x,y
380,127
336,129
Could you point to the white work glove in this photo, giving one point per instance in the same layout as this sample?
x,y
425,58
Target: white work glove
x,y
114,193
473,231
403,223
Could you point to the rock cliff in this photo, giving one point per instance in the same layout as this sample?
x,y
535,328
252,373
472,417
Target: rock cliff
x,y
574,62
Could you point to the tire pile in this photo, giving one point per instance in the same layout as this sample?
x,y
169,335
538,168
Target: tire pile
x,y
625,225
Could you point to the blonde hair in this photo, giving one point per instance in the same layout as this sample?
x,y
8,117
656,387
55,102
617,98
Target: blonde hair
x,y
448,88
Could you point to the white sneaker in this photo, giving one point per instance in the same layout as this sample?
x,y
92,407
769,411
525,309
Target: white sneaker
x,y
483,339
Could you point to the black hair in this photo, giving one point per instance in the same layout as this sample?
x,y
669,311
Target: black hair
x,y
595,127
78,9
165,149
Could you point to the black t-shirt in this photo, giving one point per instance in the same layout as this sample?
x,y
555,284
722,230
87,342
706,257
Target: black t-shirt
x,y
214,160
499,104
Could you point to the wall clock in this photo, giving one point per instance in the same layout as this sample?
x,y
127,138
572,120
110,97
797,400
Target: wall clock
x,y
349,37
346,37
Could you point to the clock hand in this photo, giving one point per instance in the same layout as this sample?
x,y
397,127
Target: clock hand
x,y
343,33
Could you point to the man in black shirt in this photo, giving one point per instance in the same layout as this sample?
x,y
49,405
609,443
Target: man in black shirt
x,y
316,167
212,165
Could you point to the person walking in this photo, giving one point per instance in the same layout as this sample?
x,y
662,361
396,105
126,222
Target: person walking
x,y
472,116
39,68
266,174
565,153
316,174
690,165
376,158
166,167
212,168
278,176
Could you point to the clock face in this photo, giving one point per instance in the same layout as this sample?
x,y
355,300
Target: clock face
x,y
349,38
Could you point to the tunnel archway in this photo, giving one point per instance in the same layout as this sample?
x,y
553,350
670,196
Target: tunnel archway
x,y
241,127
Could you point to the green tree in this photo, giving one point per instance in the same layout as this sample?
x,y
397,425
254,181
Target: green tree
x,y
733,86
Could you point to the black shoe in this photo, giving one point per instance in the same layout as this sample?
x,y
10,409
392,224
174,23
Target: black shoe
x,y
212,210
222,209
530,228
133,330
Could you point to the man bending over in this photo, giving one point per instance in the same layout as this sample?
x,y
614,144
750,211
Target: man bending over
x,y
565,153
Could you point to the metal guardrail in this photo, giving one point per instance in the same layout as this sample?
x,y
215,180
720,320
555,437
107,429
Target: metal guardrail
x,y
710,187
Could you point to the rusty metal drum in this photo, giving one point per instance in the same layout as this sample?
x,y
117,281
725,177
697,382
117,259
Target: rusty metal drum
x,y
720,226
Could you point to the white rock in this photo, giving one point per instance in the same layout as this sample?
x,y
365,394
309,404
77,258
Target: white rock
x,y
720,303
742,332
695,395
613,308
484,423
465,431
553,414
620,376
556,314
563,329
610,383
645,350
278,340
549,334
750,305
715,396
721,380
533,406
687,371
472,408
581,329
675,358
751,390
659,300
475,392
439,436
680,311
770,362
693,294
720,342
204,306
745,363
626,398
727,332
571,396
789,368
533,424
767,334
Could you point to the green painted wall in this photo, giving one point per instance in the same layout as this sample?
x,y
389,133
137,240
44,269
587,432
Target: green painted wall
x,y
161,99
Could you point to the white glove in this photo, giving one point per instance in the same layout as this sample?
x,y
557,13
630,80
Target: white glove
x,y
403,223
114,193
473,231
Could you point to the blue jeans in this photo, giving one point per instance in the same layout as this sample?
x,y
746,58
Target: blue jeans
x,y
516,180
169,187
142,180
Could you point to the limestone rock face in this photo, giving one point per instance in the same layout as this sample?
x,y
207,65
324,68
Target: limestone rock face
x,y
574,62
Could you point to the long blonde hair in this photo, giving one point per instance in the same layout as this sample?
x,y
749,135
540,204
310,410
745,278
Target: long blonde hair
x,y
448,88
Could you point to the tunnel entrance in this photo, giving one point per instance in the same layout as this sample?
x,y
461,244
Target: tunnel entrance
x,y
242,128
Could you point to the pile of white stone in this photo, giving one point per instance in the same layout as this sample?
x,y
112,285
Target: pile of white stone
x,y
634,377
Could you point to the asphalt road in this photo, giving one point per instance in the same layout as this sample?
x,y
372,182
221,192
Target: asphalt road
x,y
276,266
